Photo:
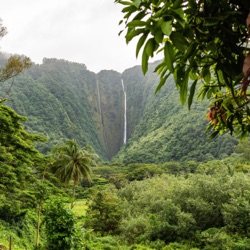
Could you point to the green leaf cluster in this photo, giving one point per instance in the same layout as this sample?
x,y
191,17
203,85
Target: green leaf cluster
x,y
61,227
17,165
200,41
104,213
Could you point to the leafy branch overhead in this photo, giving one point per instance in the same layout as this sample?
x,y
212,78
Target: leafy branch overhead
x,y
204,45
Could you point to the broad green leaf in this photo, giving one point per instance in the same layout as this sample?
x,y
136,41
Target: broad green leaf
x,y
159,13
178,75
212,47
140,43
159,67
179,41
129,9
191,49
202,92
181,76
163,72
150,47
124,2
158,36
202,31
207,78
137,3
136,23
180,18
192,74
162,83
179,12
131,34
139,16
184,89
215,89
181,21
209,93
166,27
169,56
145,58
214,134
220,76
191,94
211,21
206,74
177,4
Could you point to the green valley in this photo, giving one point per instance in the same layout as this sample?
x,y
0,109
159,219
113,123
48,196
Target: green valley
x,y
154,157
63,100
167,187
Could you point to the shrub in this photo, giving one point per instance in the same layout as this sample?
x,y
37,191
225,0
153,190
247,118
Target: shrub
x,y
60,227
104,213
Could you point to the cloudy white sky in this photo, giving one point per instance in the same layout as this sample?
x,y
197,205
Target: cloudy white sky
x,y
84,31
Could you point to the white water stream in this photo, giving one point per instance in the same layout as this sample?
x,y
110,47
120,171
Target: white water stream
x,y
125,114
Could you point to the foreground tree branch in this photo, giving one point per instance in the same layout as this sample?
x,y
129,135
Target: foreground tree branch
x,y
191,33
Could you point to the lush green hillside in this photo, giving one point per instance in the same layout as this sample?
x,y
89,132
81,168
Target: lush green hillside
x,y
63,100
161,129
60,99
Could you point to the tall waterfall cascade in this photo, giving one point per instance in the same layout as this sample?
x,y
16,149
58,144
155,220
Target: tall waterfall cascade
x,y
125,114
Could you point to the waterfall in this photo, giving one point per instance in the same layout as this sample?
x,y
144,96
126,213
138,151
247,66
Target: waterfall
x,y
99,98
125,114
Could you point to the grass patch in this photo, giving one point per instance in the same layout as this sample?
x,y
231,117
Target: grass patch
x,y
80,208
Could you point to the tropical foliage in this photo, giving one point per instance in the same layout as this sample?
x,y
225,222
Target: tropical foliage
x,y
202,42
104,213
73,163
169,188
62,232
18,162
207,209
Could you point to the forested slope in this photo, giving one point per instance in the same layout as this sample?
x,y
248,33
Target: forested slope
x,y
60,100
64,100
166,130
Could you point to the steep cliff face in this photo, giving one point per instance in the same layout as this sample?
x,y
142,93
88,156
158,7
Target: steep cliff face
x,y
55,96
111,102
64,100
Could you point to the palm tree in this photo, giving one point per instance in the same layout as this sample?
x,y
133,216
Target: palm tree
x,y
73,163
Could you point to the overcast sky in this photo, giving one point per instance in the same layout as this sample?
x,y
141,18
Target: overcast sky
x,y
84,31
